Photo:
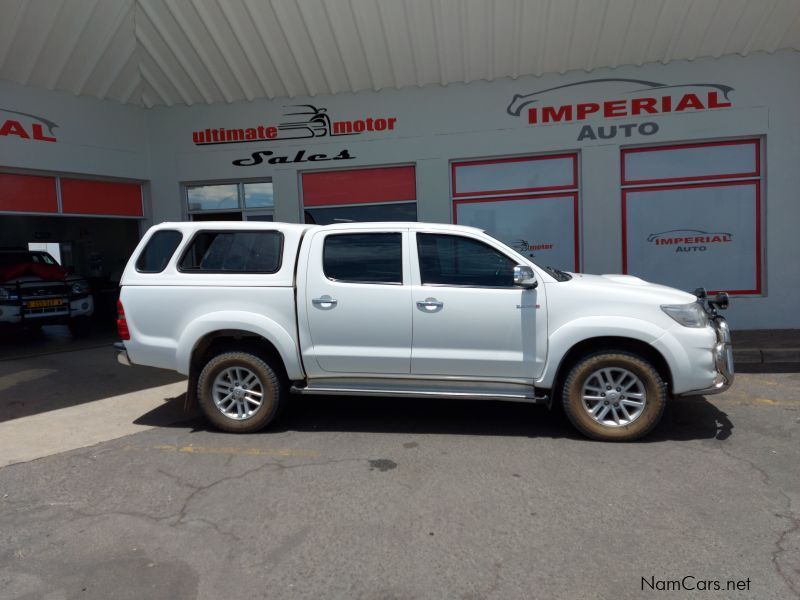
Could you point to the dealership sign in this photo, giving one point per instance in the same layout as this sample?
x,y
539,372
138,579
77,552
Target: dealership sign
x,y
689,240
308,121
629,98
268,156
26,126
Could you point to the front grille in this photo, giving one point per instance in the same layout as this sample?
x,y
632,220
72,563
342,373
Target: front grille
x,y
43,290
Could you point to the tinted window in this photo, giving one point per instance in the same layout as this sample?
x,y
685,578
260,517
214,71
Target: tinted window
x,y
158,251
364,257
454,260
234,252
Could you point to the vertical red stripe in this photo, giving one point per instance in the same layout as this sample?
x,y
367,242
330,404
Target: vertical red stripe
x,y
624,233
758,236
576,234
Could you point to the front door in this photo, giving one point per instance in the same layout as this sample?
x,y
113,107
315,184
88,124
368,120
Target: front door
x,y
358,303
469,319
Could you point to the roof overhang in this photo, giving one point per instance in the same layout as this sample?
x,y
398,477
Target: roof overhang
x,y
168,52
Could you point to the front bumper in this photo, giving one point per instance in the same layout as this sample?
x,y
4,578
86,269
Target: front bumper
x,y
723,360
15,312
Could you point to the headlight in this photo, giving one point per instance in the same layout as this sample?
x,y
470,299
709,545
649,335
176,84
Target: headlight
x,y
8,294
79,287
688,315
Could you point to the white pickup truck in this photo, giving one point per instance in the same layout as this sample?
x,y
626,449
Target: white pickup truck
x,y
252,311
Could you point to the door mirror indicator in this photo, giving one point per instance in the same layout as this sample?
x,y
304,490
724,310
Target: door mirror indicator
x,y
524,277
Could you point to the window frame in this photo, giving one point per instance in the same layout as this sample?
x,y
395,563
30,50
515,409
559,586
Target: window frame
x,y
461,285
240,207
350,282
188,246
756,142
455,194
569,192
755,178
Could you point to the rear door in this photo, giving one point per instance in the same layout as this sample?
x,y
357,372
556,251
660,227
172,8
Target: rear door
x,y
358,302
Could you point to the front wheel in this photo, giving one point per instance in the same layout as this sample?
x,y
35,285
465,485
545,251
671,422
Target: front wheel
x,y
239,392
614,396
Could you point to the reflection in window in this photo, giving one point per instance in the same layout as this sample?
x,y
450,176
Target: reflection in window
x,y
234,252
213,197
364,258
455,260
258,195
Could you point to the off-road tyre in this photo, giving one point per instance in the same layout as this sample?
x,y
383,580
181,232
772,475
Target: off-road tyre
x,y
273,395
572,396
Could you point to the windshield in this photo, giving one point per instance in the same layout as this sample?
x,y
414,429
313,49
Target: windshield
x,y
556,274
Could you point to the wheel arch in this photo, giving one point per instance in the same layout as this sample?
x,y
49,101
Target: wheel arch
x,y
218,341
593,345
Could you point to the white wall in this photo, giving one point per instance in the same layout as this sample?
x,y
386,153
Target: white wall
x,y
93,137
438,124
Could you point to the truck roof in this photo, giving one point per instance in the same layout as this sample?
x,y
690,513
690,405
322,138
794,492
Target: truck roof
x,y
281,226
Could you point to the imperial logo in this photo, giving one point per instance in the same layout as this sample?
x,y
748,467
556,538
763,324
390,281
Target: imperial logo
x,y
689,240
27,126
308,122
634,98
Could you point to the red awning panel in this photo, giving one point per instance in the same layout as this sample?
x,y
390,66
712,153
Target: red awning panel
x,y
359,186
28,193
101,198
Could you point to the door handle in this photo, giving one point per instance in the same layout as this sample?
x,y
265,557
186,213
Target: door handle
x,y
429,304
324,301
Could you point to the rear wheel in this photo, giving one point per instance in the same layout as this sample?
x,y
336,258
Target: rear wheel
x,y
614,396
239,392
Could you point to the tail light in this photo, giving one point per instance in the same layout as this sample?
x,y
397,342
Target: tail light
x,y
122,324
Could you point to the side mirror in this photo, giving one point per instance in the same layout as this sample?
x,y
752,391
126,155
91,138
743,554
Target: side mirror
x,y
524,277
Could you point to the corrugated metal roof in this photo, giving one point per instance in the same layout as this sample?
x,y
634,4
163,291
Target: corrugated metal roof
x,y
165,52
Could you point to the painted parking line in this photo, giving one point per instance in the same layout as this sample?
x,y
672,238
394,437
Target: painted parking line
x,y
227,450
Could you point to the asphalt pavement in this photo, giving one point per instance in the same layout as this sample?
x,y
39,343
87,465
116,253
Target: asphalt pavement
x,y
375,498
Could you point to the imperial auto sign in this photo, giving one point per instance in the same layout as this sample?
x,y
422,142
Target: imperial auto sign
x,y
617,98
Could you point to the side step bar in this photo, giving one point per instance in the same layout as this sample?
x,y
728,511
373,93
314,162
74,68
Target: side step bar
x,y
499,393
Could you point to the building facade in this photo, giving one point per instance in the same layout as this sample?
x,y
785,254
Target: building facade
x,y
684,173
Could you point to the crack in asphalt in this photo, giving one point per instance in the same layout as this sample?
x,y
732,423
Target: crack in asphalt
x,y
794,522
183,515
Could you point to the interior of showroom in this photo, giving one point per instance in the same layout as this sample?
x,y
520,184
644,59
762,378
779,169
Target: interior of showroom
x,y
663,145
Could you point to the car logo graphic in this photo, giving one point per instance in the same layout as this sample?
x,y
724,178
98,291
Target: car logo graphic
x,y
688,233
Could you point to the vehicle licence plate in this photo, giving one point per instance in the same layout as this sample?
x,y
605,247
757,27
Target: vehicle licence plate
x,y
50,302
